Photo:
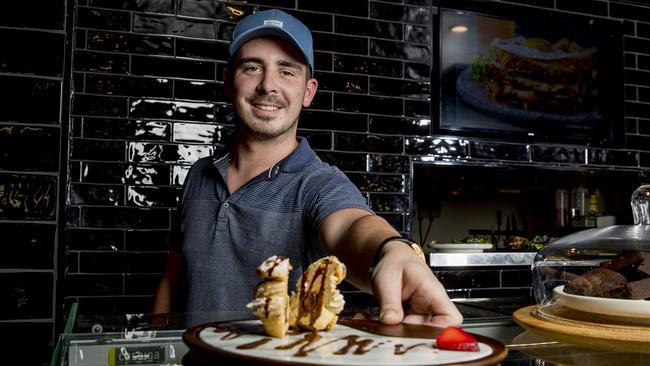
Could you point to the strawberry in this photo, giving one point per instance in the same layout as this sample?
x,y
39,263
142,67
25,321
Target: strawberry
x,y
456,339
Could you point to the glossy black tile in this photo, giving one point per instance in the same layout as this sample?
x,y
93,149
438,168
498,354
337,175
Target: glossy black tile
x,y
30,100
369,143
400,13
322,100
200,8
224,31
368,27
368,65
637,77
193,48
41,14
199,90
153,6
640,110
417,108
31,52
397,220
342,82
122,129
100,62
500,292
318,140
103,19
630,61
153,108
129,43
338,43
401,88
612,157
644,160
540,3
95,105
139,152
638,142
386,183
644,126
498,151
95,240
516,278
418,34
122,217
145,263
347,162
389,163
71,262
101,262
112,173
630,92
347,7
28,148
333,121
26,295
558,154
24,197
455,279
584,7
389,202
368,104
631,126
319,22
194,132
95,194
100,150
171,25
167,67
400,125
629,12
147,196
93,284
643,62
148,240
141,284
72,217
27,246
642,29
632,44
32,340
127,86
444,148
400,50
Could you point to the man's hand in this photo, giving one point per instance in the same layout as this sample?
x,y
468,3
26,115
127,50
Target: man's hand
x,y
401,277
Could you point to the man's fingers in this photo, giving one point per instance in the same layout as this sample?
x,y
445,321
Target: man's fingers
x,y
389,294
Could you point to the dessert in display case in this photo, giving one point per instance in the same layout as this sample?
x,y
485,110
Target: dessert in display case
x,y
593,287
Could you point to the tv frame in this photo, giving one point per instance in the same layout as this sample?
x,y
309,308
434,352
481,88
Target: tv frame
x,y
609,129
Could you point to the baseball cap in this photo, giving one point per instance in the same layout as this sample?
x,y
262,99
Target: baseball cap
x,y
274,22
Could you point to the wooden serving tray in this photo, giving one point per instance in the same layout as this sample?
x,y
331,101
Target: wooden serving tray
x,y
354,342
585,329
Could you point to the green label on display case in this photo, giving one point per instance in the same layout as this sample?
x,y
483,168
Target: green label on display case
x,y
136,355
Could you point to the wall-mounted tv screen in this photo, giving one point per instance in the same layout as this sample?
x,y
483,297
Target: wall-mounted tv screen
x,y
521,73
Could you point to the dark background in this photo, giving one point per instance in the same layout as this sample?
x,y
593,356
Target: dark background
x,y
104,104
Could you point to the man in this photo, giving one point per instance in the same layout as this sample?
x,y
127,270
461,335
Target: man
x,y
269,194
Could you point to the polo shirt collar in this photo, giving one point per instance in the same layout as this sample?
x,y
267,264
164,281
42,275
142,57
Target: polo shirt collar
x,y
301,156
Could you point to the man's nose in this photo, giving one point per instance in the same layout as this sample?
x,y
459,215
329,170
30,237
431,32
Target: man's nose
x,y
267,83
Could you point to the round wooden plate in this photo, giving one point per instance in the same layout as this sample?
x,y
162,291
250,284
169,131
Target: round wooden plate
x,y
353,342
585,329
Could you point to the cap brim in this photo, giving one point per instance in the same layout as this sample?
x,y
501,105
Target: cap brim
x,y
265,31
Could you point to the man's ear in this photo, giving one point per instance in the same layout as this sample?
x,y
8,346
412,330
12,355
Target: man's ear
x,y
310,92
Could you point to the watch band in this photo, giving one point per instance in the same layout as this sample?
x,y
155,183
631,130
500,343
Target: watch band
x,y
415,246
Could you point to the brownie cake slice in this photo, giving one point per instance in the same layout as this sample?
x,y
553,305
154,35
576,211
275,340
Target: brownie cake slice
x,y
599,282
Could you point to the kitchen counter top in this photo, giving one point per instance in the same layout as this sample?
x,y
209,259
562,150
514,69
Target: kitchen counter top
x,y
89,340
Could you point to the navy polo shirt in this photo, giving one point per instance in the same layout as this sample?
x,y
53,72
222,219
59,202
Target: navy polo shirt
x,y
223,237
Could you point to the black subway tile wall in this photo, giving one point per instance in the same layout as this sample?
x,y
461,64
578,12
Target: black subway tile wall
x,y
146,100
32,80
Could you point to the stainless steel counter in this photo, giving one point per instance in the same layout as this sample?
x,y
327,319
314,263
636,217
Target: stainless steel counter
x,y
500,259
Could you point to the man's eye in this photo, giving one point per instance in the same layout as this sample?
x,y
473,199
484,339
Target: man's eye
x,y
251,68
287,73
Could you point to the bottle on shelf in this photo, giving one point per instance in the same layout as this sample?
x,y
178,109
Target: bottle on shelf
x,y
579,206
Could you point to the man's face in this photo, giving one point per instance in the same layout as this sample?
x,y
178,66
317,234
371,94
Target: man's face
x,y
269,87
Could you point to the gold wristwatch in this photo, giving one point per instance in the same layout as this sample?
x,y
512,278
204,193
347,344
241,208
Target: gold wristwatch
x,y
415,246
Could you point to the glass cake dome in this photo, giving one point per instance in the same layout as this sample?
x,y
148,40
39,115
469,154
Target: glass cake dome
x,y
599,270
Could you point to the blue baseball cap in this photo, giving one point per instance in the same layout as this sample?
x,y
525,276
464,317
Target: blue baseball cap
x,y
274,23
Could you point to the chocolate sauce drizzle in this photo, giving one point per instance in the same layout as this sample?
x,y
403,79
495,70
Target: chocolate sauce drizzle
x,y
400,349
